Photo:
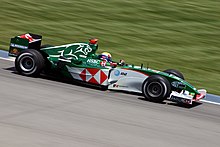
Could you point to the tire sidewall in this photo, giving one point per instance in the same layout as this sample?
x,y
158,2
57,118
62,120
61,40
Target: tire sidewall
x,y
19,64
35,56
164,85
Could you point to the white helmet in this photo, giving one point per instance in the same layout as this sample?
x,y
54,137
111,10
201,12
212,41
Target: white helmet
x,y
106,56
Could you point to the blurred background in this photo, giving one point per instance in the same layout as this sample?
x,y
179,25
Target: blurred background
x,y
184,35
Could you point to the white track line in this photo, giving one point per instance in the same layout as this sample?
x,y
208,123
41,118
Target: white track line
x,y
13,59
8,59
210,102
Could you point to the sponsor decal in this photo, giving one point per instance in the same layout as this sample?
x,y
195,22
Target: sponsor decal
x,y
117,72
117,86
18,46
103,63
124,73
93,62
14,51
93,75
179,85
82,50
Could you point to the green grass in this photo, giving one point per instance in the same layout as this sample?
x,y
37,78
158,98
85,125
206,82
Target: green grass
x,y
184,35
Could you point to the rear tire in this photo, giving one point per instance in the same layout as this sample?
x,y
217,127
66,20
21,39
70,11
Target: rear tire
x,y
175,73
156,88
29,62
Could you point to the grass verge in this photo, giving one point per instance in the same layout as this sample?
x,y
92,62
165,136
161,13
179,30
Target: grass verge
x,y
164,34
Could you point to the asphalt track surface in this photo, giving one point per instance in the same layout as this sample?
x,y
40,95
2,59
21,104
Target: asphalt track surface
x,y
43,112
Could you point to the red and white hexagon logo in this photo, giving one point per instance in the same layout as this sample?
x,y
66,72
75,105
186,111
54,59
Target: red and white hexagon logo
x,y
93,75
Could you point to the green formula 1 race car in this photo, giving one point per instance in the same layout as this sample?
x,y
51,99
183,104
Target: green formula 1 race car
x,y
79,61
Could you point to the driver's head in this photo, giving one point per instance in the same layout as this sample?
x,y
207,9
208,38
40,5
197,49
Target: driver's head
x,y
106,56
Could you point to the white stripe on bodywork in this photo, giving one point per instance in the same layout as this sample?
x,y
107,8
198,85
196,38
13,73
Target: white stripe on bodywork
x,y
67,45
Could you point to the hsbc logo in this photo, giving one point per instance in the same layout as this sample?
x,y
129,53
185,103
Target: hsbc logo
x,y
93,75
90,75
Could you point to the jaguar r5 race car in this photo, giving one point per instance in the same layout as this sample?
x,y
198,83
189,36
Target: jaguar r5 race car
x,y
79,61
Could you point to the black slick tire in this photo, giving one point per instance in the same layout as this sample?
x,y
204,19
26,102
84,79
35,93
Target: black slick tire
x,y
29,62
175,73
156,88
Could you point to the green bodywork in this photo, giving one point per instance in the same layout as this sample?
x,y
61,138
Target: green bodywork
x,y
18,44
83,55
83,59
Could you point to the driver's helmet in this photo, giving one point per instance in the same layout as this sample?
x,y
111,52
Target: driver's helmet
x,y
106,56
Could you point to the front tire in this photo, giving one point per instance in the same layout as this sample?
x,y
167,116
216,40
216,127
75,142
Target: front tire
x,y
175,73
29,62
156,88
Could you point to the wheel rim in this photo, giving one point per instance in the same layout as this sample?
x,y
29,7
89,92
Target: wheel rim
x,y
27,63
155,89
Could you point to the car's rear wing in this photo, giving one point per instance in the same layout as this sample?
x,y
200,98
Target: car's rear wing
x,y
24,41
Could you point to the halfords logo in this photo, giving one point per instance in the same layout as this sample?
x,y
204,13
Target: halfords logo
x,y
18,46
